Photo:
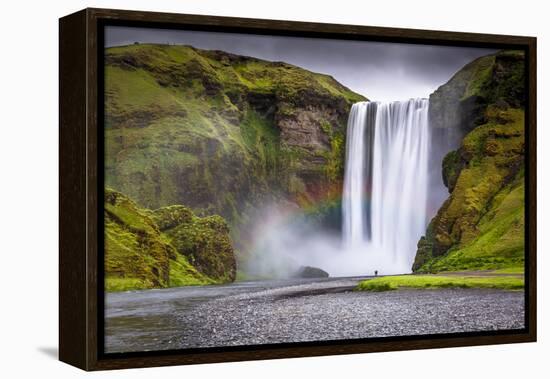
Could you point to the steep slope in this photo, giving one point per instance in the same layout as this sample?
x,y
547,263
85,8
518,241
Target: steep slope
x,y
459,105
481,224
139,255
220,132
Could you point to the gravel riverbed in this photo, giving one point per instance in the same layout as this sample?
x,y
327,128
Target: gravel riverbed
x,y
250,313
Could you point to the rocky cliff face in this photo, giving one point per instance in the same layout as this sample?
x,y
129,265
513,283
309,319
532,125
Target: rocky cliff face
x,y
217,131
163,248
481,223
223,134
459,106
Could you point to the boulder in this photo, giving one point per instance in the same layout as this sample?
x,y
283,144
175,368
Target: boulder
x,y
311,272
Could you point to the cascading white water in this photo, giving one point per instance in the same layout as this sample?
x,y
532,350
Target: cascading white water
x,y
386,183
358,174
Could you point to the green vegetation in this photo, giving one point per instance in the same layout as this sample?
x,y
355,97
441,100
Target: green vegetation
x,y
493,77
116,284
519,270
179,119
389,283
220,133
182,273
480,72
134,252
206,244
500,239
452,164
507,82
223,133
262,141
336,156
481,225
140,252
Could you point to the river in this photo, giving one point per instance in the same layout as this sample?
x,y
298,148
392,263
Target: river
x,y
299,310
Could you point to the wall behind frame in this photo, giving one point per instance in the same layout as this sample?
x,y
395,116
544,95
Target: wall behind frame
x,y
28,159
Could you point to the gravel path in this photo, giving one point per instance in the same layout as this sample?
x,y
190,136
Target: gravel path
x,y
298,311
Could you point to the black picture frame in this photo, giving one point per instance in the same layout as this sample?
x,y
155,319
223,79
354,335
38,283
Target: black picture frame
x,y
81,188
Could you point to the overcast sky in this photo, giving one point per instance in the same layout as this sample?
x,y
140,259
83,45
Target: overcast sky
x,y
377,70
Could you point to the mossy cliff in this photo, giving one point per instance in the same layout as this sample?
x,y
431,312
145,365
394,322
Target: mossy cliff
x,y
219,132
459,106
481,224
163,248
205,241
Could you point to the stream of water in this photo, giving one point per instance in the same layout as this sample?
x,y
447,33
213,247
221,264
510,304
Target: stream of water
x,y
386,182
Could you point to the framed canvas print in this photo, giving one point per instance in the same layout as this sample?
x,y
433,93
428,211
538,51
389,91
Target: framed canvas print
x,y
237,189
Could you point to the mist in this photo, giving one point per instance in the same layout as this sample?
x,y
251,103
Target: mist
x,y
283,243
390,194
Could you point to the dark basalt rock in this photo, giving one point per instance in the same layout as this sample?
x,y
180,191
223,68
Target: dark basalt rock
x,y
311,272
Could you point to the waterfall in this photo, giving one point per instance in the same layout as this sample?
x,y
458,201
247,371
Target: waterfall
x,y
358,176
384,202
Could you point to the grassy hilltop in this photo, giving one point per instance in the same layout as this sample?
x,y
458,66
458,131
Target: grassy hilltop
x,y
216,134
211,129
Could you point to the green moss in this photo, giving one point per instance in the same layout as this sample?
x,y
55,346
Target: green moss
x,y
262,141
518,270
500,242
336,89
182,273
481,225
133,248
326,127
209,129
287,81
199,127
138,255
336,157
495,77
206,244
452,165
172,216
510,86
129,91
116,284
389,283
480,73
